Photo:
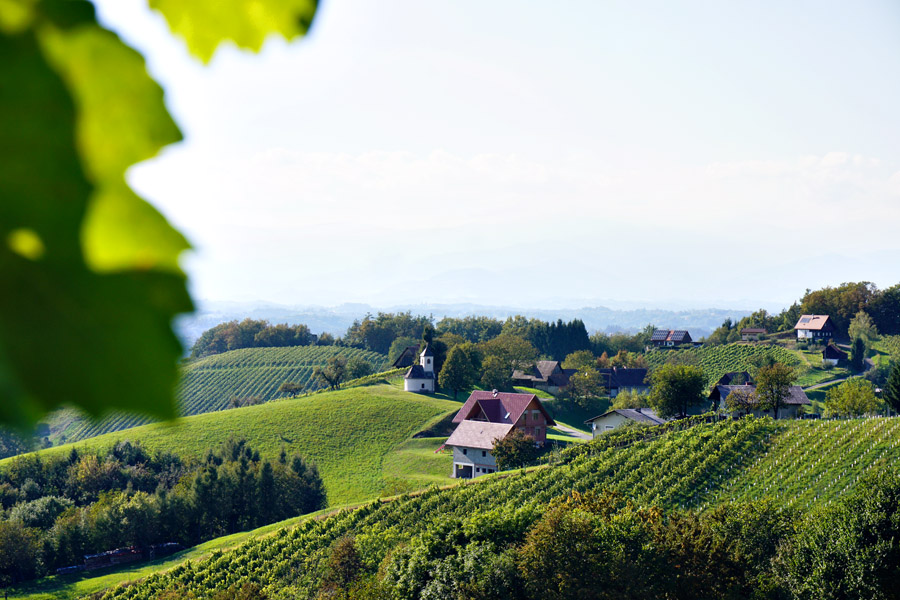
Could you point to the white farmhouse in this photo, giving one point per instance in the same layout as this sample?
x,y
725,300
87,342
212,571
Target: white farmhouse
x,y
420,377
618,417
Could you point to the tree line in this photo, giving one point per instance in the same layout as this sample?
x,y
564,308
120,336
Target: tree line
x,y
58,509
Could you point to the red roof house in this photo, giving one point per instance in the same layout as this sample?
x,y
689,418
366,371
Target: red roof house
x,y
489,416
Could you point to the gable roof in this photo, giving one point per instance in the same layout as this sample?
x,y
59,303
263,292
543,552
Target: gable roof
x,y
499,407
478,434
621,377
796,395
727,378
814,322
676,336
407,357
418,372
833,352
546,371
640,415
752,330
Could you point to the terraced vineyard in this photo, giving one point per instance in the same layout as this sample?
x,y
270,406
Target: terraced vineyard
x,y
210,383
718,360
793,462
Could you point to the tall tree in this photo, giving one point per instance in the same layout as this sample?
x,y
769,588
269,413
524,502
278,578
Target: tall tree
x,y
460,370
773,386
676,389
858,355
892,388
862,326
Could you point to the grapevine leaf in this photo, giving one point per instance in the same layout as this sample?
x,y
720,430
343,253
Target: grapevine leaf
x,y
204,24
68,333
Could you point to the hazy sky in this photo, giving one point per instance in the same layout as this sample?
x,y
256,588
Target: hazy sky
x,y
536,154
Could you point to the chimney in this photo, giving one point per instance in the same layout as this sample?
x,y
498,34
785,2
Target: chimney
x,y
494,393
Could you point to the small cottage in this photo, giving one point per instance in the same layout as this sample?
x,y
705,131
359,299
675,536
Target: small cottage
x,y
814,327
620,379
752,334
832,355
407,358
618,417
670,337
790,409
545,375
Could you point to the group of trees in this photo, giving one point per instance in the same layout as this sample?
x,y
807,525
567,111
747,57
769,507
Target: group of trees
x,y
56,510
251,333
603,546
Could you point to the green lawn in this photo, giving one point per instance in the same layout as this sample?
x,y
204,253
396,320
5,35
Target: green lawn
x,y
348,433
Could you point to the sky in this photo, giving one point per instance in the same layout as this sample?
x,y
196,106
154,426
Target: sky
x,y
520,153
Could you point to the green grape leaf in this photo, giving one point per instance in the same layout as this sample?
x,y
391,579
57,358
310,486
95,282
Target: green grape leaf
x,y
72,332
204,24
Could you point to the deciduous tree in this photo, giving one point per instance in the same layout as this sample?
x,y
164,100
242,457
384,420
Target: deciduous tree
x,y
892,388
676,389
773,386
852,398
514,450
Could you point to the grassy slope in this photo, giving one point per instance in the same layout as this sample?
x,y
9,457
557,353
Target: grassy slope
x,y
349,433
208,384
797,462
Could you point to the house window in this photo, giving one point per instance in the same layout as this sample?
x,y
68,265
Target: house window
x,y
465,451
537,432
423,386
484,453
478,469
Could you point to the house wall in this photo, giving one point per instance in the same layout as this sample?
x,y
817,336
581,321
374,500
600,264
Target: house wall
x,y
422,386
607,424
830,361
481,461
533,423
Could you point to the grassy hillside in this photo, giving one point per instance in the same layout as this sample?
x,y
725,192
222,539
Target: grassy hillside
x,y
718,360
797,462
210,383
349,433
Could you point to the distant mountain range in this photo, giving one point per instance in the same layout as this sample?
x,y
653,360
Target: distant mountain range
x,y
337,319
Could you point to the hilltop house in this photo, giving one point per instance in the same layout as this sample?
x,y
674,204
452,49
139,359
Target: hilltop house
x,y
619,379
407,358
815,327
488,416
670,337
790,409
420,378
752,333
545,375
833,355
618,417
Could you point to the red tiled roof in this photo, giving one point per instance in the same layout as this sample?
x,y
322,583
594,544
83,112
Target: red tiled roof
x,y
505,407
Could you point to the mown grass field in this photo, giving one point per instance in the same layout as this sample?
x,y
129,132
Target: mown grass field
x,y
348,433
799,463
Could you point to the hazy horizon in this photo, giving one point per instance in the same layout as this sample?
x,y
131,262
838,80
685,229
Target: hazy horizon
x,y
499,153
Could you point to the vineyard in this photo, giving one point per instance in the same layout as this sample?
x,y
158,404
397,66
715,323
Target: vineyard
x,y
796,463
348,433
209,384
718,360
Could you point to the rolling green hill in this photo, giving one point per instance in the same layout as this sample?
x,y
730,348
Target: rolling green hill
x,y
718,360
348,433
797,463
210,383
